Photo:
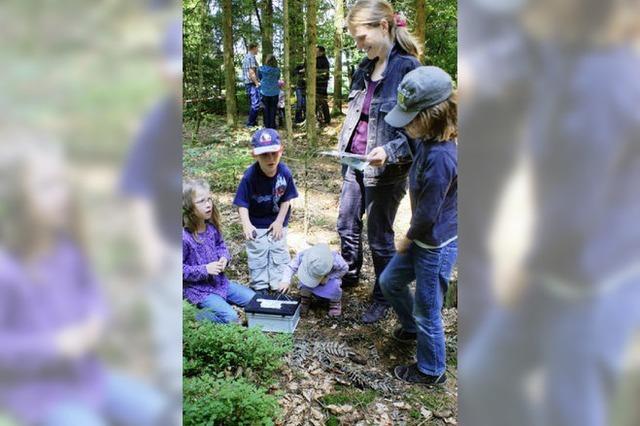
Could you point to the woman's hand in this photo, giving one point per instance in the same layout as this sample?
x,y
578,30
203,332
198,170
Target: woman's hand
x,y
377,157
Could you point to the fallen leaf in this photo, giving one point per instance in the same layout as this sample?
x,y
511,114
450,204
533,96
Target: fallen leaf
x,y
334,326
443,414
340,409
308,394
451,421
426,413
402,405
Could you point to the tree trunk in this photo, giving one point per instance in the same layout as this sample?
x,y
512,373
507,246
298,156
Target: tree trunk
x,y
287,71
230,75
267,28
337,69
421,23
311,101
203,14
296,31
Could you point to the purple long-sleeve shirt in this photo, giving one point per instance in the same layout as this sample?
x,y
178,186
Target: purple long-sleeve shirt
x,y
197,283
38,300
331,289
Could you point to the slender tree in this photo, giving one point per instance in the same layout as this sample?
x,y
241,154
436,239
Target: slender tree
x,y
312,131
230,76
267,28
204,6
421,22
287,71
338,20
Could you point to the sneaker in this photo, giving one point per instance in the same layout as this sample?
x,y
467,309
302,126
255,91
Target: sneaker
x,y
402,336
335,309
375,313
305,304
411,374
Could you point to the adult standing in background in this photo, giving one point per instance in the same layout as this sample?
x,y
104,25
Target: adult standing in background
x,y
377,189
269,74
322,84
252,83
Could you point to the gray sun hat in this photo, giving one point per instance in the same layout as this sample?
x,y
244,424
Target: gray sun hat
x,y
420,89
316,263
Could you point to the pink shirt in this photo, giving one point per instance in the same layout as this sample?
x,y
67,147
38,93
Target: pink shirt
x,y
359,140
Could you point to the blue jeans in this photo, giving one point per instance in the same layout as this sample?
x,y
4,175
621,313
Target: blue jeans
x,y
301,105
253,95
381,205
431,268
127,402
216,309
270,111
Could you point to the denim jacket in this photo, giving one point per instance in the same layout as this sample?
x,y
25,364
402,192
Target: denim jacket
x,y
379,133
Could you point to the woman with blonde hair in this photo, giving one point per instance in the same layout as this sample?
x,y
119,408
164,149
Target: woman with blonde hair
x,y
391,52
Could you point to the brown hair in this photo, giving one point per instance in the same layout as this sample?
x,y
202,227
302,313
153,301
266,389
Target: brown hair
x,y
439,122
271,60
189,219
371,12
253,46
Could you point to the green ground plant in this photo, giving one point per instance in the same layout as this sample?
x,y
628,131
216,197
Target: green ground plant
x,y
213,401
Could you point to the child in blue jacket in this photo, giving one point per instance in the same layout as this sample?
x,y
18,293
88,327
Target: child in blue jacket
x,y
427,109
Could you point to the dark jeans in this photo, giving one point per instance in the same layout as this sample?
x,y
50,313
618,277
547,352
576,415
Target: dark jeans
x,y
253,95
301,105
270,111
323,107
381,205
431,269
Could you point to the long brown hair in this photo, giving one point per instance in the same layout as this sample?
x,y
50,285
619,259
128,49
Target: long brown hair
x,y
189,219
371,12
440,122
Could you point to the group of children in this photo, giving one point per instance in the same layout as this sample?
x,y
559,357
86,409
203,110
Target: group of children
x,y
426,109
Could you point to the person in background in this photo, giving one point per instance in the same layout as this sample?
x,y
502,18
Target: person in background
x,y
252,83
281,100
322,84
269,90
301,96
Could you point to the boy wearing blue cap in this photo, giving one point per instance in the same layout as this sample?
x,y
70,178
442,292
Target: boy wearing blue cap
x,y
263,200
427,110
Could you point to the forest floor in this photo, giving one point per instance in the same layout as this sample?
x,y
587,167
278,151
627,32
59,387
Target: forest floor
x,y
340,370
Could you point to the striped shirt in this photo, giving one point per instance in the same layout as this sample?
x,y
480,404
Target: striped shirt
x,y
249,62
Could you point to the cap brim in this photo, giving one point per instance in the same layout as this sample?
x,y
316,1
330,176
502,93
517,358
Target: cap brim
x,y
399,118
265,149
306,279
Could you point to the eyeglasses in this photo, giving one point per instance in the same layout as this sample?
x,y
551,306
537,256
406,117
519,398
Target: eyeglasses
x,y
204,201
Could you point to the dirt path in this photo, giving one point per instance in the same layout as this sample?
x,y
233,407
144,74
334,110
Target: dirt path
x,y
340,371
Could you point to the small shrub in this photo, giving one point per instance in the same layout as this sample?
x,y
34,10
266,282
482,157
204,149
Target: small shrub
x,y
214,401
210,348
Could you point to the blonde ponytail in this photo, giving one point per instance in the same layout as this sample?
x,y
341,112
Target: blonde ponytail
x,y
371,12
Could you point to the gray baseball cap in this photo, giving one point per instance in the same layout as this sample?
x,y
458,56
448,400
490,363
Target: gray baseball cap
x,y
420,89
316,263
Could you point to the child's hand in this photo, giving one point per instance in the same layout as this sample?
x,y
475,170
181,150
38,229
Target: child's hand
x,y
214,268
284,287
403,245
276,230
250,231
377,157
223,263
